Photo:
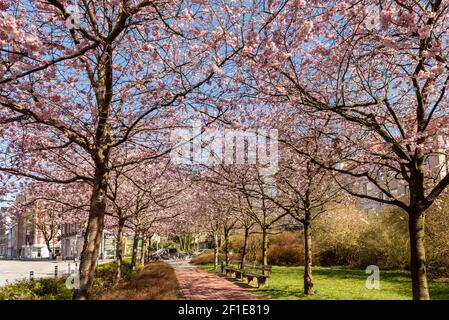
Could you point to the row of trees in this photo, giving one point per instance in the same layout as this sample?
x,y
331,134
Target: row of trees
x,y
357,90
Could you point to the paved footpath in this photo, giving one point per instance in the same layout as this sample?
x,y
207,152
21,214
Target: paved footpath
x,y
197,284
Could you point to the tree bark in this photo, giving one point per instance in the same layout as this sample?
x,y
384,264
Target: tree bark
x,y
226,245
245,244
216,252
48,236
416,222
143,251
148,259
418,255
100,155
308,280
264,248
93,234
134,252
119,251
50,251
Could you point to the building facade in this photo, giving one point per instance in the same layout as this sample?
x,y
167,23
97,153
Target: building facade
x,y
30,242
23,238
436,167
4,234
72,241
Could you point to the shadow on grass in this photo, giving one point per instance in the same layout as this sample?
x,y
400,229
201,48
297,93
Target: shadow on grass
x,y
357,274
336,283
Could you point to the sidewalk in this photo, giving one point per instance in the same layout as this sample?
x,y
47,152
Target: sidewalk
x,y
12,270
196,284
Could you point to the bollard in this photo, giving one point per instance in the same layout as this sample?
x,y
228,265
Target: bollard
x,y
69,267
31,275
56,271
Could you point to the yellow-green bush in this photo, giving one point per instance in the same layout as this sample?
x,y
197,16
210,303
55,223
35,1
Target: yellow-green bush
x,y
206,257
55,289
38,289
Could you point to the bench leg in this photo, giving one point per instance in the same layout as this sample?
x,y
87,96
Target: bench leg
x,y
262,282
231,273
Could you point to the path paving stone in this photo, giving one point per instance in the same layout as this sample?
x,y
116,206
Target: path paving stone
x,y
197,284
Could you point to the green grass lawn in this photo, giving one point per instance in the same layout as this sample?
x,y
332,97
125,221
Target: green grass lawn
x,y
334,283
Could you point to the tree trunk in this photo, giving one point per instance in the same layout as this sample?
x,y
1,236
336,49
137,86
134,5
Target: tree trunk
x,y
50,251
149,250
308,281
264,248
95,224
245,244
216,253
418,255
226,245
119,251
143,251
182,242
134,252
93,234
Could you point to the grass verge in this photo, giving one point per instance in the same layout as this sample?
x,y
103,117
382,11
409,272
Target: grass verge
x,y
340,283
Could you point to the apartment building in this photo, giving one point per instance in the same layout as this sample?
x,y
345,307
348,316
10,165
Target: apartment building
x,y
4,233
72,241
23,237
30,242
436,167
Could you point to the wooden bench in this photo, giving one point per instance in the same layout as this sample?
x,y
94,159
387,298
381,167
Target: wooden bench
x,y
259,272
234,269
249,272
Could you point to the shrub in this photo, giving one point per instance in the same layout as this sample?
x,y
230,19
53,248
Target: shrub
x,y
104,276
385,244
337,236
288,255
286,249
206,257
253,247
437,238
356,238
39,289
55,289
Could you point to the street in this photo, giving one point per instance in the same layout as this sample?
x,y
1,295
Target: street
x,y
11,270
